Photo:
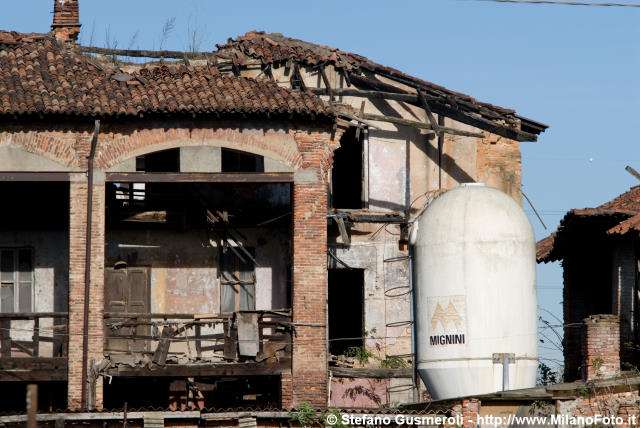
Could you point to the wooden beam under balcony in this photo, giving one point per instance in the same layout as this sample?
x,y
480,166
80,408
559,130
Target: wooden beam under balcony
x,y
33,369
199,177
194,370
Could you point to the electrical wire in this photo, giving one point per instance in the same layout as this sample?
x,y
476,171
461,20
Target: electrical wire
x,y
565,3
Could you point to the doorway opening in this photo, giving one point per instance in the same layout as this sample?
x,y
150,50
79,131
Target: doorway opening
x,y
346,309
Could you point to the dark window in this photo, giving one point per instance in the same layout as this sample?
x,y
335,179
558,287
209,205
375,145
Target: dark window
x,y
164,161
237,279
347,172
346,309
16,280
236,161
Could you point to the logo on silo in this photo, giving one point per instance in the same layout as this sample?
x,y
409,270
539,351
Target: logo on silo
x,y
448,320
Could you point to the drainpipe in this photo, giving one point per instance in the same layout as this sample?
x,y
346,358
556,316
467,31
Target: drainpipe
x,y
413,321
87,264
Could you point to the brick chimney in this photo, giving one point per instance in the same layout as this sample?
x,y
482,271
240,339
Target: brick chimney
x,y
600,347
66,20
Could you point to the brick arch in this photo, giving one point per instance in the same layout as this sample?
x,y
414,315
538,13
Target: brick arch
x,y
57,147
276,144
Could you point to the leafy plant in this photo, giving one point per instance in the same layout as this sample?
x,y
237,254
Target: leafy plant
x,y
597,364
393,362
546,375
338,418
305,416
539,407
360,353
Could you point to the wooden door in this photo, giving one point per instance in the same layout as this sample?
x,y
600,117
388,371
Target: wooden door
x,y
126,291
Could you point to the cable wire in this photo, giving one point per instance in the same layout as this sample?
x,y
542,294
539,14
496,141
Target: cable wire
x,y
566,3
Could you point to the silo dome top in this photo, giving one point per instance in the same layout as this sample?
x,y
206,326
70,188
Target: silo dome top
x,y
474,212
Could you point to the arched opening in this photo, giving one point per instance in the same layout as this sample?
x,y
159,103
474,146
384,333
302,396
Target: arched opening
x,y
192,246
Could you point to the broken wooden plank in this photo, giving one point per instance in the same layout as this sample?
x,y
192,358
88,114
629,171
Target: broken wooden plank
x,y
325,79
160,356
5,338
230,342
343,230
421,125
380,95
360,115
36,337
356,118
427,109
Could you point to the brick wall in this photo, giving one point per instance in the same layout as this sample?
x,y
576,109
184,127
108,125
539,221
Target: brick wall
x,y
600,347
499,164
309,367
469,410
308,152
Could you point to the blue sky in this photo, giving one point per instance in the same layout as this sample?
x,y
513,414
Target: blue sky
x,y
573,68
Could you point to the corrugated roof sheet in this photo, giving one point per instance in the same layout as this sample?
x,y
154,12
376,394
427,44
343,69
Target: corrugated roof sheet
x,y
40,75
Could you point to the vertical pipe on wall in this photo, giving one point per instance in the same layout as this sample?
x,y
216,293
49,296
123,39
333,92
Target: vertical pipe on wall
x,y
87,263
412,303
365,167
440,148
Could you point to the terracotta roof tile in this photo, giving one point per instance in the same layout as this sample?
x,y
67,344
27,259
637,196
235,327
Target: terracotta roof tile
x,y
626,207
40,75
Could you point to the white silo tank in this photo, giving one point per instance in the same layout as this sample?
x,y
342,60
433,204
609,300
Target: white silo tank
x,y
475,293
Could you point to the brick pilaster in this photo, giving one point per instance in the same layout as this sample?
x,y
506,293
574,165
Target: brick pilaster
x,y
77,248
286,391
600,347
309,367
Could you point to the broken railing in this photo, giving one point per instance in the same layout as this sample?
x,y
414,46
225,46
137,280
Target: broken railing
x,y
33,334
247,336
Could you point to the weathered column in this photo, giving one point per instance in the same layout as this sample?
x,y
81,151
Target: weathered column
x,y
77,255
600,347
309,367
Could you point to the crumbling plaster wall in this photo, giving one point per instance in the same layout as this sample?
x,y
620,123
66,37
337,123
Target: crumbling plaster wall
x,y
386,268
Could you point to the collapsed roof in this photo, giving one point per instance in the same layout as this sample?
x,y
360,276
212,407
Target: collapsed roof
x,y
623,211
275,48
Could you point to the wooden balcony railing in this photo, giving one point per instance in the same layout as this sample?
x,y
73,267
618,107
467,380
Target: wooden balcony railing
x,y
160,339
33,334
33,346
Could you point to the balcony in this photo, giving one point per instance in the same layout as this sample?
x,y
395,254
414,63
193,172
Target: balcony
x,y
33,346
235,344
